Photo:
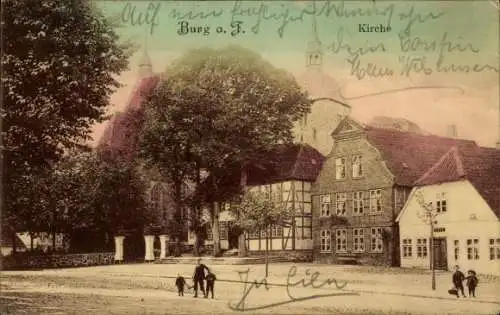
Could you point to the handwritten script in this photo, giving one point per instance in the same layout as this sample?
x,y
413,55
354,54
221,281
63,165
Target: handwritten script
x,y
428,54
308,280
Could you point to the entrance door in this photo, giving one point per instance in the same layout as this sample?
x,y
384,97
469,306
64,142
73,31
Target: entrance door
x,y
440,254
232,237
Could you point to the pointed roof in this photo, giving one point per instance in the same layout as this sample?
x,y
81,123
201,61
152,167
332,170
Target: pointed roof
x,y
298,161
406,154
145,60
286,162
479,165
121,133
319,84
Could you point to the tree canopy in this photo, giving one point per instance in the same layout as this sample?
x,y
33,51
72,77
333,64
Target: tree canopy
x,y
60,61
217,107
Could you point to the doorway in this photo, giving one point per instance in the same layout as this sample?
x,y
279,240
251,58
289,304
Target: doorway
x,y
440,254
232,236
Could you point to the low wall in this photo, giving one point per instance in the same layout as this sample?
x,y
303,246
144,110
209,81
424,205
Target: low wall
x,y
24,261
300,255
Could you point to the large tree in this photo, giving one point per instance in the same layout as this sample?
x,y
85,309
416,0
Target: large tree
x,y
91,198
218,107
60,61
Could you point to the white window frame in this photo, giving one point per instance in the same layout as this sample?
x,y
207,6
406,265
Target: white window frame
x,y
494,248
376,239
340,168
358,240
357,166
441,203
358,202
326,241
376,201
456,249
341,203
472,249
341,240
422,249
406,248
325,202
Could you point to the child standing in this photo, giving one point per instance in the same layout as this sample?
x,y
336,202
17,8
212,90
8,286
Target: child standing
x,y
180,282
210,283
471,282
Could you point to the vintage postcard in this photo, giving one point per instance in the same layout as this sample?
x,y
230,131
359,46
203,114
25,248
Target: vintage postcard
x,y
258,157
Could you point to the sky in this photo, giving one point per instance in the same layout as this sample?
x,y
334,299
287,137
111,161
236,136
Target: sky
x,y
441,57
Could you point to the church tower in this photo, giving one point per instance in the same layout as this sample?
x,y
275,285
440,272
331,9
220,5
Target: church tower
x,y
145,67
314,51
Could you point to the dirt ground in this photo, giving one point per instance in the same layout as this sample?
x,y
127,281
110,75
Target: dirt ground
x,y
149,289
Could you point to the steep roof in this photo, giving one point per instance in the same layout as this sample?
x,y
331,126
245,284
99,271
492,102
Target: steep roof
x,y
319,84
286,162
480,166
408,155
394,123
122,131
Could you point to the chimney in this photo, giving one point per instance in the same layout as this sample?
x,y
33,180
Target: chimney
x,y
451,131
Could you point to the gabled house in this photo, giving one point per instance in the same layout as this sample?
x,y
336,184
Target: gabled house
x,y
364,183
464,189
285,174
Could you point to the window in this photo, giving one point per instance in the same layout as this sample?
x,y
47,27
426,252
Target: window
x,y
375,200
456,249
315,134
223,230
263,233
341,199
441,203
376,240
267,192
473,249
422,248
254,234
494,248
326,202
340,170
303,227
341,240
357,166
406,247
357,202
325,241
210,235
277,231
358,237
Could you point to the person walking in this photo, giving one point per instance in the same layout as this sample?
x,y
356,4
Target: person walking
x,y
180,282
210,284
199,277
458,279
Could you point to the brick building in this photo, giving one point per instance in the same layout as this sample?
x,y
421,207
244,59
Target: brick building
x,y
362,187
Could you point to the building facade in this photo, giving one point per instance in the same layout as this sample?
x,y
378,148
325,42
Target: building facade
x,y
364,183
463,190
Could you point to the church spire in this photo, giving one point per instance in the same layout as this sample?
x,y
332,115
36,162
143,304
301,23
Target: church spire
x,y
314,51
145,66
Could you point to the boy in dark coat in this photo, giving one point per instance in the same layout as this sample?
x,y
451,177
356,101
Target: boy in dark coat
x,y
180,282
210,284
471,282
458,279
